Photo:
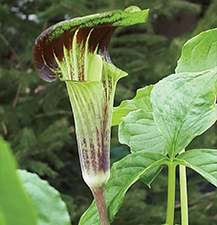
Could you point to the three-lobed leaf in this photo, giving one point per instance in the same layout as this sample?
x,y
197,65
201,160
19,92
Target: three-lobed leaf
x,y
177,108
184,103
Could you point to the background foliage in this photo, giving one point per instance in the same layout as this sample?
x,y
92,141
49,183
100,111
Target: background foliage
x,y
35,117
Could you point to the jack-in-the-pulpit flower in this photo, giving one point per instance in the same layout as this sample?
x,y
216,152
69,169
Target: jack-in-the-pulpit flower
x,y
76,51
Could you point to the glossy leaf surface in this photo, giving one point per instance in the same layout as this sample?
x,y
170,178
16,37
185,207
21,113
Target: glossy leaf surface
x,y
129,169
15,205
183,107
203,161
141,101
199,53
138,130
2,218
51,210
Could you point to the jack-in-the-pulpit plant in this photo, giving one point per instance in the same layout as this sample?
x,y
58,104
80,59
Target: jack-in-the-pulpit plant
x,y
76,51
159,124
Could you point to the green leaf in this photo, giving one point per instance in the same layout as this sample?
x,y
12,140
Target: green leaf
x,y
203,161
141,101
138,130
199,53
15,205
51,210
183,107
149,177
2,217
124,173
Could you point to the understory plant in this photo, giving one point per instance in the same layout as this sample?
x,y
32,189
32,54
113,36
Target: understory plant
x,y
76,51
158,124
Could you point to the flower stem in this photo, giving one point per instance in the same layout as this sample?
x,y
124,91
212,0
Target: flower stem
x,y
171,193
183,194
99,196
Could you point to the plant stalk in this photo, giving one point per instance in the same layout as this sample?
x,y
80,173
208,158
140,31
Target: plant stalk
x,y
183,194
99,196
171,194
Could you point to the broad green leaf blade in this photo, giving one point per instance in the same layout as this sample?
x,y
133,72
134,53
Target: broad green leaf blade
x,y
199,53
203,161
141,101
15,205
138,130
124,173
51,210
183,107
149,177
2,217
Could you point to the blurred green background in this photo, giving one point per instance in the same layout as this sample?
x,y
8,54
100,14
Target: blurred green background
x,y
36,118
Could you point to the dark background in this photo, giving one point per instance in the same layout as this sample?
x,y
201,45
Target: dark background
x,y
36,118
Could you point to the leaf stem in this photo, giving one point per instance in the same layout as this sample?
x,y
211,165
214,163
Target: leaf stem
x,y
183,194
99,196
171,193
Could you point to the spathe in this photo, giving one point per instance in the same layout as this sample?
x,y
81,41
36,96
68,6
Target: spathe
x,y
76,51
